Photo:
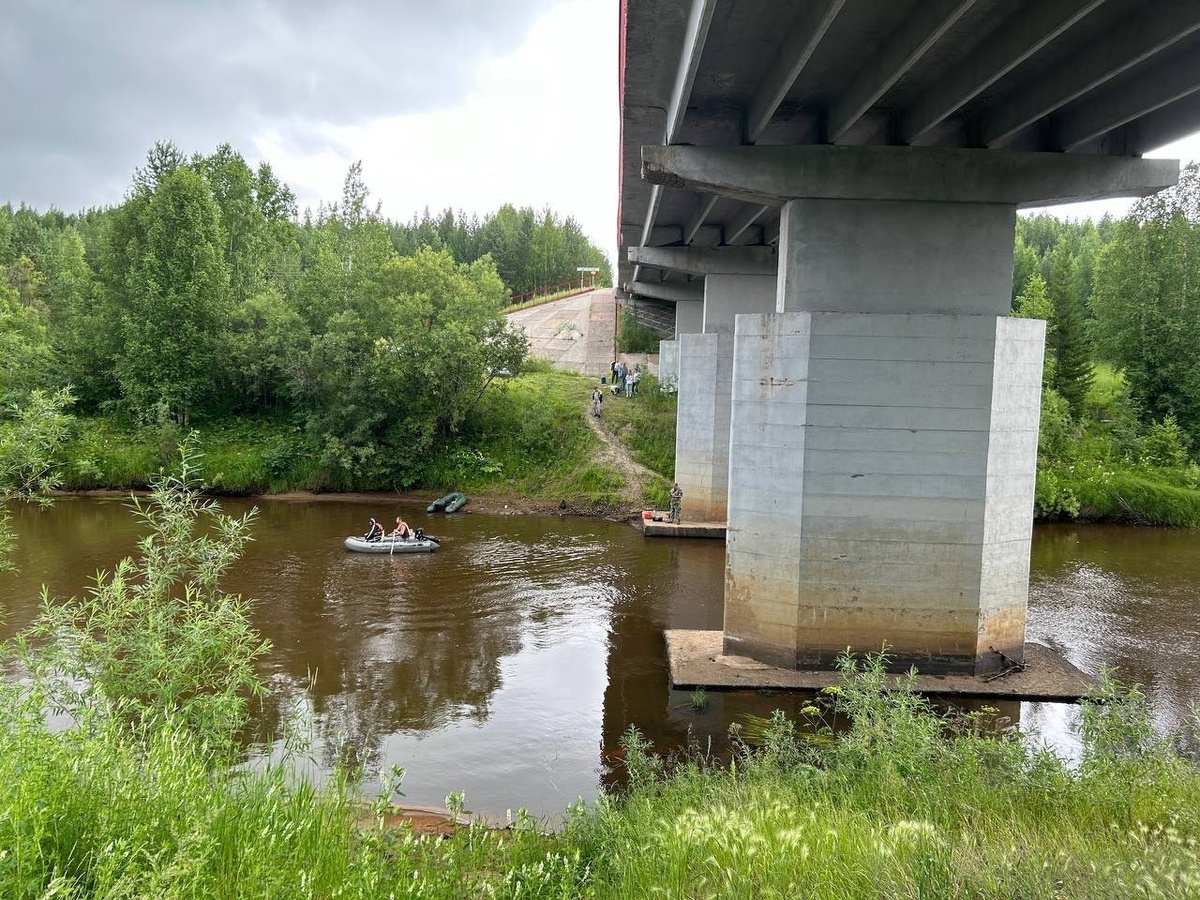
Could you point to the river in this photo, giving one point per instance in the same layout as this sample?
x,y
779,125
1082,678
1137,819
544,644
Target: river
x,y
507,664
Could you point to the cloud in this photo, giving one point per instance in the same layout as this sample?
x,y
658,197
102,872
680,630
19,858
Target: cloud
x,y
539,127
88,87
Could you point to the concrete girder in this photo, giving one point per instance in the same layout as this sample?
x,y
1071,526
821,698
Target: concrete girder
x,y
1115,52
676,293
660,235
785,68
740,224
1152,89
667,235
703,208
772,175
651,214
771,232
1021,36
718,261
917,33
699,19
1166,125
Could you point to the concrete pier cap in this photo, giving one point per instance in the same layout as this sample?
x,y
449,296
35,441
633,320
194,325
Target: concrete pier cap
x,y
884,416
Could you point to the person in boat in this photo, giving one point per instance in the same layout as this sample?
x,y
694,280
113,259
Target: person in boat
x,y
374,531
401,531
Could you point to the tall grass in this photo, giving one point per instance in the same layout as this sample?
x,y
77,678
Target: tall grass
x,y
906,804
526,437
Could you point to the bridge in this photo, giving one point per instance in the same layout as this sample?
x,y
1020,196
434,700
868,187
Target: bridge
x,y
827,191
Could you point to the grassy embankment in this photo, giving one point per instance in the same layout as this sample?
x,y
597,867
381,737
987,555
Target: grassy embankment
x,y
528,438
1110,468
904,804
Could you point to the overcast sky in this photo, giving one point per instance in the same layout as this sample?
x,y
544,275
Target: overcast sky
x,y
455,103
449,103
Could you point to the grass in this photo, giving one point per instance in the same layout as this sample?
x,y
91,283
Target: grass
x,y
1137,499
1111,467
646,425
903,803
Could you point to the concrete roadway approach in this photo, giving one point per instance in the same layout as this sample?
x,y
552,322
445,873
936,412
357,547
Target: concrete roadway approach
x,y
577,334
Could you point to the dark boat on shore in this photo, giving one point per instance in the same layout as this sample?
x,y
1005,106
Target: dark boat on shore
x,y
450,503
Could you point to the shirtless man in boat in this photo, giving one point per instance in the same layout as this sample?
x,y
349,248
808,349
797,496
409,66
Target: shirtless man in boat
x,y
401,531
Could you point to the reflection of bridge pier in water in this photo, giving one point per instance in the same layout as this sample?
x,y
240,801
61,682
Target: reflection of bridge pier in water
x,y
688,593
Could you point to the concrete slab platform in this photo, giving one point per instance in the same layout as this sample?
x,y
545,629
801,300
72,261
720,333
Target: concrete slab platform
x,y
650,528
696,660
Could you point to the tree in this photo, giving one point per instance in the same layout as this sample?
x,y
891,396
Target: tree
x,y
1147,302
1072,351
170,282
25,355
400,367
158,641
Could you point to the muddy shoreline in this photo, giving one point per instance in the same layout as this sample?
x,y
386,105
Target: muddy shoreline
x,y
485,504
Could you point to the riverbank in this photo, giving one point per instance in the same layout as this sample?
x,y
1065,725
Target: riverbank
x,y
529,447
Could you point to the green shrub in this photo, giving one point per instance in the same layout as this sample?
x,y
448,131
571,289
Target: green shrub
x,y
635,337
157,639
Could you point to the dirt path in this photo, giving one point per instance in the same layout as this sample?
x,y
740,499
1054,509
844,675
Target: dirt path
x,y
614,455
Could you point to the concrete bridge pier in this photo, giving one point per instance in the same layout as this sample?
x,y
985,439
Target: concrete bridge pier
x,y
883,439
668,366
705,386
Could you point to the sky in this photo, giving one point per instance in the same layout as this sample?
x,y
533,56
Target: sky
x,y
466,104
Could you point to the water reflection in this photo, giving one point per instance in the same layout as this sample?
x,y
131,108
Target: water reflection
x,y
509,663
1124,598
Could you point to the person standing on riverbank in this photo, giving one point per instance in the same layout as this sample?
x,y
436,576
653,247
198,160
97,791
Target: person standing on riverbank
x,y
597,401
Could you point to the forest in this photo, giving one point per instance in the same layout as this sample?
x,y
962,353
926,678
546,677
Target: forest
x,y
1120,420
206,297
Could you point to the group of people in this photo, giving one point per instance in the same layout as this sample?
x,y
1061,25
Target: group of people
x,y
625,379
375,531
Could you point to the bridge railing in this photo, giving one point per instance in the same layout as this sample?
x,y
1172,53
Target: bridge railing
x,y
553,291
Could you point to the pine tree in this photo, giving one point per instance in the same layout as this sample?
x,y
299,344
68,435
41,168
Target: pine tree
x,y
1072,351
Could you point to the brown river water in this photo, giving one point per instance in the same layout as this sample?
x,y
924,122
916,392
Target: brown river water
x,y
507,664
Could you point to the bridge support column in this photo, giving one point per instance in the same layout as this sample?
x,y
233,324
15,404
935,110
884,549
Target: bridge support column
x,y
884,442
689,317
668,366
705,384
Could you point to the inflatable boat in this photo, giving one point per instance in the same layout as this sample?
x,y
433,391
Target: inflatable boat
x,y
390,546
